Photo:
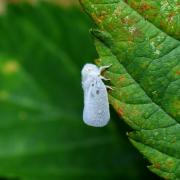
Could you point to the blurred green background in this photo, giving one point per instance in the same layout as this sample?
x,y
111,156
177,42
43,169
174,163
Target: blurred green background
x,y
43,46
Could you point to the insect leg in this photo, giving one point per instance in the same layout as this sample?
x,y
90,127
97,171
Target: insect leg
x,y
109,87
103,78
103,68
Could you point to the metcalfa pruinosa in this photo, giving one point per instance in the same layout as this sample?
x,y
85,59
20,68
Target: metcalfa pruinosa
x,y
96,105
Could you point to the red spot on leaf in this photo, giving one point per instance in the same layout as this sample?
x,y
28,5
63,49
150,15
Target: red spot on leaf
x,y
157,166
120,111
121,78
145,7
171,15
115,105
99,18
178,72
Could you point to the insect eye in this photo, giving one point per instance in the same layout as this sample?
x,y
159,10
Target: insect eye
x,y
92,84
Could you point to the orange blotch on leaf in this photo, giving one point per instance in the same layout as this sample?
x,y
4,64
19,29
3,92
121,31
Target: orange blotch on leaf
x,y
122,78
157,166
116,105
145,7
120,111
171,16
99,18
178,72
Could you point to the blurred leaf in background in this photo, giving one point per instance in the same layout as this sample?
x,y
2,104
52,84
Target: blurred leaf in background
x,y
42,136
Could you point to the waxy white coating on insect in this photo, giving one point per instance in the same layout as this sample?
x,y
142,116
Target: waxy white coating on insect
x,y
96,105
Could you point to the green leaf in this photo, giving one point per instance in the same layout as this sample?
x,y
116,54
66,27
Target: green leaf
x,y
163,14
42,135
145,74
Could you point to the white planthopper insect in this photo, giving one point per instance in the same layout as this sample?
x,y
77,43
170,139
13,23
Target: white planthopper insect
x,y
96,105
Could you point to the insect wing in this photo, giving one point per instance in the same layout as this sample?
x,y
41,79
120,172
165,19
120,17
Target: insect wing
x,y
96,106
